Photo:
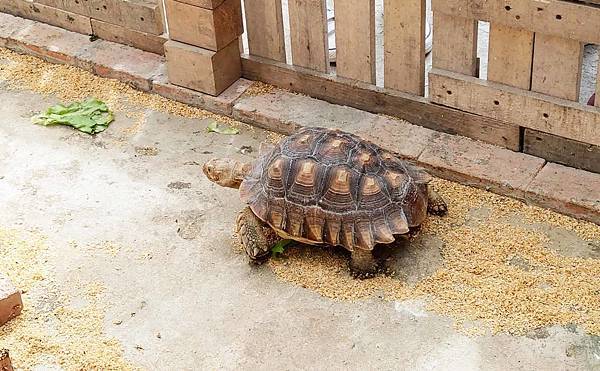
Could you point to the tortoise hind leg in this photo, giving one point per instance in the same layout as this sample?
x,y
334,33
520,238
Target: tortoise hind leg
x,y
362,263
256,236
436,204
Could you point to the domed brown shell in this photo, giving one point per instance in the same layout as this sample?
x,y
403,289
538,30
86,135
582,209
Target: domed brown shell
x,y
327,186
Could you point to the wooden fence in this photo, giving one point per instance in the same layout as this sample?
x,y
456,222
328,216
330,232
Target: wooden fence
x,y
529,101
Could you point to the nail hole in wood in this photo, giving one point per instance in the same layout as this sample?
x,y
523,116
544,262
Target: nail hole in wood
x,y
559,17
518,17
496,103
508,8
449,92
540,9
546,115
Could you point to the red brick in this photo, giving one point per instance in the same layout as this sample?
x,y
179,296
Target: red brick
x,y
10,24
481,165
48,42
202,69
10,300
395,135
124,63
204,28
223,103
285,112
567,190
140,40
5,364
264,111
56,17
106,59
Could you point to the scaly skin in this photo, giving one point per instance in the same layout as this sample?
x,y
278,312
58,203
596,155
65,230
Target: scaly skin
x,y
226,172
363,264
256,236
436,204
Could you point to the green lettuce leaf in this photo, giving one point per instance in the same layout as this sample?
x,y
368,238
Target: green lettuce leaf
x,y
213,127
91,116
279,247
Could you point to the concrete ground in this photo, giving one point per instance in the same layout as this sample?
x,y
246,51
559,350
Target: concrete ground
x,y
175,294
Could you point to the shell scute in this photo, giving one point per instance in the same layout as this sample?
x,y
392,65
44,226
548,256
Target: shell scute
x,y
327,186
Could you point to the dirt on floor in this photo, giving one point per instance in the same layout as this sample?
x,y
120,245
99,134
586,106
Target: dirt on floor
x,y
125,256
510,267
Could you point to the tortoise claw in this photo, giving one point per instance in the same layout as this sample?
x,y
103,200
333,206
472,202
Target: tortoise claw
x,y
259,260
256,237
363,265
436,204
360,275
438,209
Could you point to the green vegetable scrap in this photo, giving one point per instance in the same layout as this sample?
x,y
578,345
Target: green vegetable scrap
x,y
91,116
279,247
213,127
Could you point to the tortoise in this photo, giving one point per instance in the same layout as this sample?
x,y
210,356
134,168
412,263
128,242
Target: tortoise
x,y
323,186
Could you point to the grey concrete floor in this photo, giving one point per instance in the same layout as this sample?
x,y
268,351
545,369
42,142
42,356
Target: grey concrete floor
x,y
212,309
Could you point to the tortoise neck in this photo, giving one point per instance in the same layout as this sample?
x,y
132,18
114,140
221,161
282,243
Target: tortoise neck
x,y
240,171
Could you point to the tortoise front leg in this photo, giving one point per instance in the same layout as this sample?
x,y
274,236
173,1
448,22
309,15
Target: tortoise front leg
x,y
256,236
362,263
436,204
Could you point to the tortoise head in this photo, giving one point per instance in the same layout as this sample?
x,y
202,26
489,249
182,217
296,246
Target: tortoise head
x,y
226,172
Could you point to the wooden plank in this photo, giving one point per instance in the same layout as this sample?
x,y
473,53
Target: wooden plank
x,y
355,39
46,14
557,66
78,7
562,150
510,56
404,45
264,24
202,69
557,72
551,17
417,110
455,44
207,4
308,33
528,109
205,28
140,15
122,35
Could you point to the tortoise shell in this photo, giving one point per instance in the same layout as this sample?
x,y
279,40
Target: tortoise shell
x,y
327,186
